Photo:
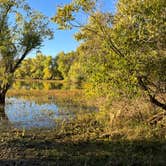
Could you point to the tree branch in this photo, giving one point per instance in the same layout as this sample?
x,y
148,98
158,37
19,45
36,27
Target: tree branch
x,y
20,60
4,16
151,97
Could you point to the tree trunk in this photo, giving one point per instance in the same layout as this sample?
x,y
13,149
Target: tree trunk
x,y
2,102
2,98
3,116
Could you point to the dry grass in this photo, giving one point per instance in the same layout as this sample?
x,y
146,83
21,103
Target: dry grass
x,y
82,141
118,135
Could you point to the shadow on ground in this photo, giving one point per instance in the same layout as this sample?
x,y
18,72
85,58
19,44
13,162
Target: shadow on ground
x,y
42,150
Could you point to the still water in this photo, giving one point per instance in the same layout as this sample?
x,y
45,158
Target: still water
x,y
43,85
38,85
27,114
32,112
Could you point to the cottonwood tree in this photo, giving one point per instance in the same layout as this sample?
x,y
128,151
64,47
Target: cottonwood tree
x,y
133,37
139,28
21,31
64,62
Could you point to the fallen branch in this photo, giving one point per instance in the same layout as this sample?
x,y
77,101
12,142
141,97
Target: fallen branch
x,y
156,118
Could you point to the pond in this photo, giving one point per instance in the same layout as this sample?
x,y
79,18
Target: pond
x,y
39,111
27,114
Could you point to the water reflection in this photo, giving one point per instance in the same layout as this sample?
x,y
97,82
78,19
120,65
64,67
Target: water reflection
x,y
38,85
3,116
44,85
39,111
24,113
28,114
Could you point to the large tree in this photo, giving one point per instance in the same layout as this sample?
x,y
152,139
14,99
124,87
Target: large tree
x,y
132,40
139,31
21,31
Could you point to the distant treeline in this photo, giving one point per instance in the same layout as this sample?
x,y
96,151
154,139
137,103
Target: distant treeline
x,y
64,66
39,67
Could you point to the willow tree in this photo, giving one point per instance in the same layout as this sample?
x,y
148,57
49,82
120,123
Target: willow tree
x,y
134,39
21,31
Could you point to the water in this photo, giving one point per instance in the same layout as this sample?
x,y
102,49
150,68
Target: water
x,y
37,85
38,112
22,113
27,114
43,85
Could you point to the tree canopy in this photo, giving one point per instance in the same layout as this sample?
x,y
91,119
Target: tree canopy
x,y
21,31
39,67
123,53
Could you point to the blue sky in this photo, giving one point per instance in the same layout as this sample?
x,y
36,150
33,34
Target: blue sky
x,y
63,40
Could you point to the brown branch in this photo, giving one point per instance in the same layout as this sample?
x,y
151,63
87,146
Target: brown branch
x,y
156,118
108,38
151,97
20,60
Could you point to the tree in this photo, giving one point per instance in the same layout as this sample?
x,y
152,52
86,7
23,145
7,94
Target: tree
x,y
133,40
24,71
140,34
64,62
76,74
38,67
57,75
48,68
18,37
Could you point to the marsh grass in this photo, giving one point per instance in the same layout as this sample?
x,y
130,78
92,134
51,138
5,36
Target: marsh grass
x,y
81,141
116,135
67,96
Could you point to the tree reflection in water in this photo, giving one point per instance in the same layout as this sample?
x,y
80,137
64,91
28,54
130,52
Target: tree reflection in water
x,y
3,116
36,85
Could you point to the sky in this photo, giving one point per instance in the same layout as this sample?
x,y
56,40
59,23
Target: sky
x,y
63,40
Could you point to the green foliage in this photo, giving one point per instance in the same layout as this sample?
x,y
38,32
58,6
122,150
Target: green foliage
x,y
21,31
65,15
40,67
139,32
64,62
70,66
76,73
124,53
